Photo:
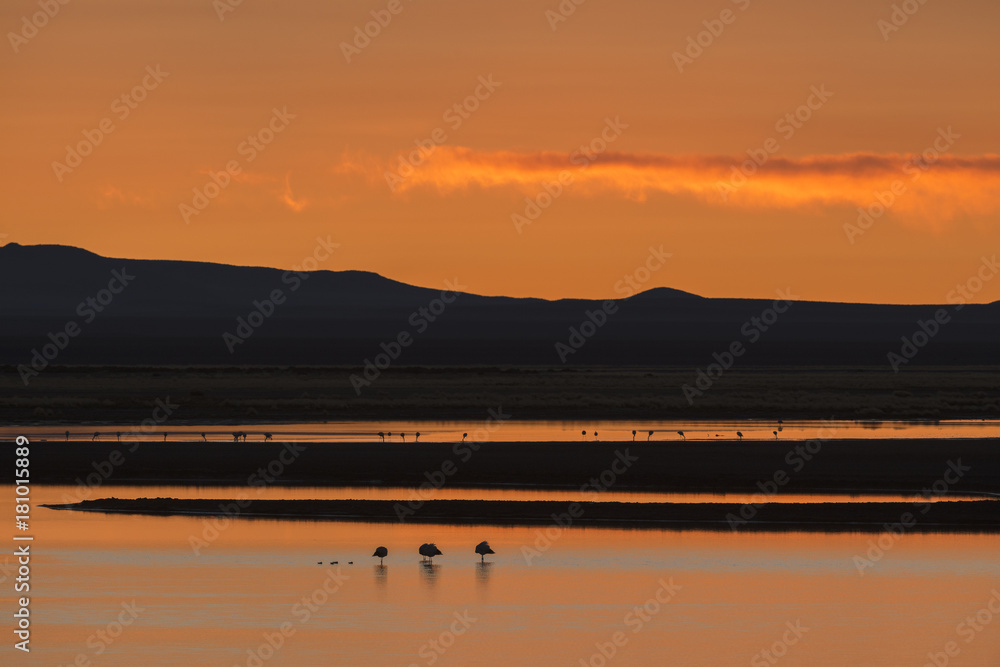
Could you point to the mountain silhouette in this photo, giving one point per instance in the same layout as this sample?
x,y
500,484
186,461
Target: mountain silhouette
x,y
177,312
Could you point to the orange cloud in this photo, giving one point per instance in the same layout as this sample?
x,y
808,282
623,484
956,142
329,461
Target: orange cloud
x,y
932,186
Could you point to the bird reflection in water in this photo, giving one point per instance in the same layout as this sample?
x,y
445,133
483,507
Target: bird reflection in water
x,y
429,572
483,573
380,575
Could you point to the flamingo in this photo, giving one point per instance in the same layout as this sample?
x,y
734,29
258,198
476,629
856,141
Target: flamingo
x,y
464,436
267,436
428,551
164,436
381,552
403,436
595,435
244,434
681,433
118,434
739,435
67,436
204,438
633,435
650,435
482,549
417,437
97,436
381,435
775,434
584,433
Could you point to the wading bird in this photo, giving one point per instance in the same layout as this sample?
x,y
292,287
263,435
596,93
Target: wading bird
x,y
428,551
775,434
482,549
381,435
681,433
739,435
97,436
236,436
267,436
164,436
204,438
584,433
381,552
417,436
464,436
633,435
67,436
595,434
650,435
118,434
403,436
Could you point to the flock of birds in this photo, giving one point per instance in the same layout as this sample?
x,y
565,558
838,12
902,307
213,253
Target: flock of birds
x,y
427,550
242,435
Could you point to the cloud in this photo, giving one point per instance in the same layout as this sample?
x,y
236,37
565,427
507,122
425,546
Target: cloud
x,y
930,186
289,199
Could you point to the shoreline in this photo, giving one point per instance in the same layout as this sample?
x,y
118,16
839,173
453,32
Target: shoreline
x,y
981,516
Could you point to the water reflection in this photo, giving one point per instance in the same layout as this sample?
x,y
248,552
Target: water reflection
x,y
429,572
483,573
381,572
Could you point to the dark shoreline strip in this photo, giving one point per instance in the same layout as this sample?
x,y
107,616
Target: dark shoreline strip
x,y
949,517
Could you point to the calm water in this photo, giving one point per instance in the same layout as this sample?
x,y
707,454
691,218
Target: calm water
x,y
737,593
528,431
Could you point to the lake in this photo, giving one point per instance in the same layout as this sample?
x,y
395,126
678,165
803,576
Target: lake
x,y
137,590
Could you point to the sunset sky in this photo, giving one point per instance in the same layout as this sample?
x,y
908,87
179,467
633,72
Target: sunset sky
x,y
664,132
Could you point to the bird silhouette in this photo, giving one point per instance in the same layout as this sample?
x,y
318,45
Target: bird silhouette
x,y
681,433
595,434
739,435
118,434
164,436
648,436
584,433
97,436
267,436
382,435
775,434
381,552
482,549
633,435
416,437
428,551
403,436
464,436
203,437
67,436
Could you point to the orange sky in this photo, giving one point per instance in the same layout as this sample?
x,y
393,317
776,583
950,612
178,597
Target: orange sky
x,y
670,137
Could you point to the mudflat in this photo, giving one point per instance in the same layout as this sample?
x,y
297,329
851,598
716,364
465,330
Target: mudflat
x,y
936,466
959,516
